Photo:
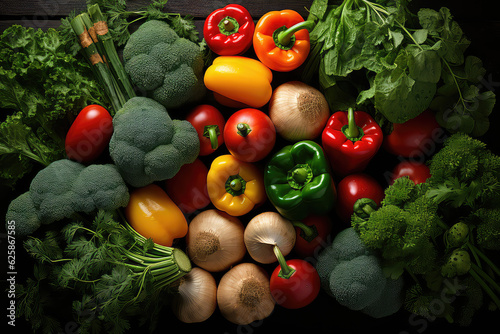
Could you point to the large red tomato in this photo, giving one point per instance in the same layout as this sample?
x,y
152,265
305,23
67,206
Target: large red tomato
x,y
249,135
89,134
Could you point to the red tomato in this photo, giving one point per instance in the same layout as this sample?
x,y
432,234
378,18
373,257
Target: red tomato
x,y
89,134
249,134
353,187
417,172
188,188
413,137
300,289
209,123
319,228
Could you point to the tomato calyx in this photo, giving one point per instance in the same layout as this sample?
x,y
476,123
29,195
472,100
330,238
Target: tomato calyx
x,y
243,129
286,271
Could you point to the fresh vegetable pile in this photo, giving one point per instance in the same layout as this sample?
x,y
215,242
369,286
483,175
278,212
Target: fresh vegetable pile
x,y
237,175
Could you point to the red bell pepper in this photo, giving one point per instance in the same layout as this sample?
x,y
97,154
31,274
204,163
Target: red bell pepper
x,y
229,31
350,140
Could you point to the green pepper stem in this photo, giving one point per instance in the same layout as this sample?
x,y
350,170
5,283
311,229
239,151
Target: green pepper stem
x,y
285,37
286,271
212,132
352,131
243,129
300,175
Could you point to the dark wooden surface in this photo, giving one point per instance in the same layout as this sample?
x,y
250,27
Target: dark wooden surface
x,y
480,21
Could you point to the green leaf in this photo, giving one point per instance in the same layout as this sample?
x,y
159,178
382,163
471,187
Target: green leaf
x,y
474,70
420,36
424,65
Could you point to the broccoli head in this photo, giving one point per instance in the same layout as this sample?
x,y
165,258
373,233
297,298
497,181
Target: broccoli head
x,y
352,273
167,67
487,221
63,188
147,145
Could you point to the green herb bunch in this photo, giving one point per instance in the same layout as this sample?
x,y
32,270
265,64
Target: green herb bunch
x,y
43,86
108,270
444,233
376,54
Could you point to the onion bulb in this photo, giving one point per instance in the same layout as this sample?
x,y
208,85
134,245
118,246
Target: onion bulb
x,y
244,295
196,299
265,231
215,240
298,111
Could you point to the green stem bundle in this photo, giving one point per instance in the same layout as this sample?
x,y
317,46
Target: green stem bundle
x,y
99,49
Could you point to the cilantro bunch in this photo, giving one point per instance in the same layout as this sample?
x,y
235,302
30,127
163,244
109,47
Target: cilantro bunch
x,y
106,271
376,54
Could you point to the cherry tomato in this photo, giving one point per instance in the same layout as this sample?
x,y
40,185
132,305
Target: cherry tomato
x,y
353,187
294,283
89,134
417,172
209,123
312,234
249,135
188,188
413,137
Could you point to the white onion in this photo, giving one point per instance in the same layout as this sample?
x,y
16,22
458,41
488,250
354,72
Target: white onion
x,y
298,111
215,240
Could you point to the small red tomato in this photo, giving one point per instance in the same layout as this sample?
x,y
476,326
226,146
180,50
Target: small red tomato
x,y
209,123
249,135
294,283
353,187
312,235
417,172
188,188
412,138
89,134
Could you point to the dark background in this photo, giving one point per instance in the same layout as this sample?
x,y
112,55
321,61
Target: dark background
x,y
480,22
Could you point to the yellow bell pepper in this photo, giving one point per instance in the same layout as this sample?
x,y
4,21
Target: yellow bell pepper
x,y
240,79
154,215
234,186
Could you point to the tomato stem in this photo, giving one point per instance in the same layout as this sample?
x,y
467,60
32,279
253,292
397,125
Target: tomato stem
x,y
212,132
308,233
243,129
286,271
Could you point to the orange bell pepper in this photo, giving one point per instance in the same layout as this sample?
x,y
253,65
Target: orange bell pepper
x,y
281,40
240,79
234,186
154,215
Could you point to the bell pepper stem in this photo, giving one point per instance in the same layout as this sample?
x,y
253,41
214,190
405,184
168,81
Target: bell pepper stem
x,y
228,25
243,129
235,185
352,131
212,132
286,271
300,175
307,232
285,37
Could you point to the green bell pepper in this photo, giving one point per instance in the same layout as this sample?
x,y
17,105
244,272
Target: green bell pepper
x,y
298,181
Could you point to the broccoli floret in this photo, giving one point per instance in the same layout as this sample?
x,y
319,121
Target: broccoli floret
x,y
488,228
22,211
464,171
63,188
147,145
165,66
353,275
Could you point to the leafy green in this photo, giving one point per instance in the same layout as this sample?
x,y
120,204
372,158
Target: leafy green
x,y
44,86
118,19
108,270
407,65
